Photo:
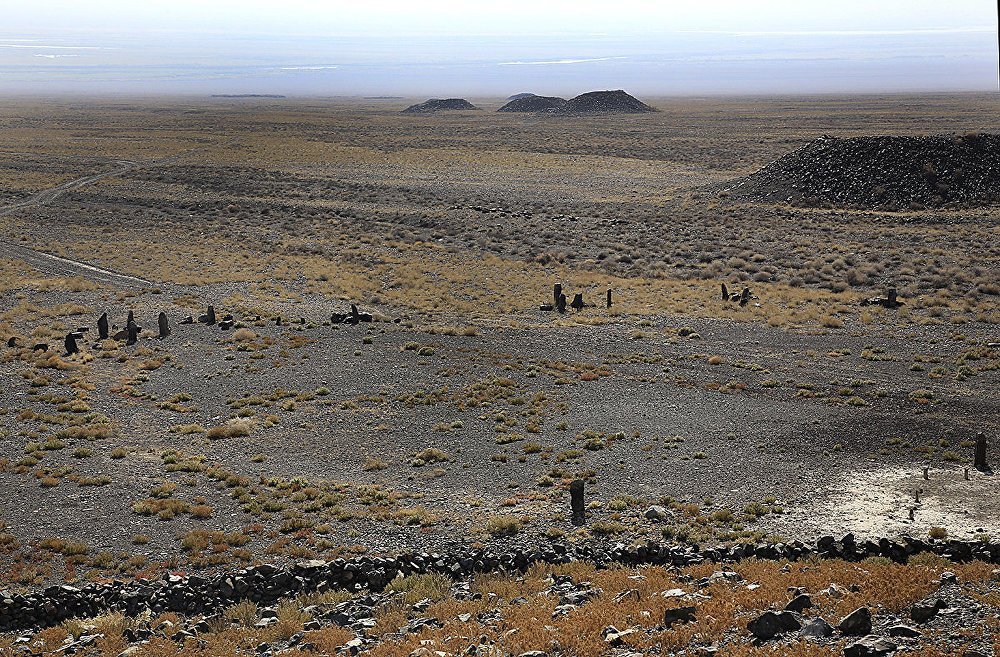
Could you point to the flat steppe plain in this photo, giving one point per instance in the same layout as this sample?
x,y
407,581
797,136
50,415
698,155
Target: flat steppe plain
x,y
460,415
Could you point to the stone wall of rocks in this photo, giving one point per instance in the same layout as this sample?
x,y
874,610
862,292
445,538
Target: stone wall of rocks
x,y
266,583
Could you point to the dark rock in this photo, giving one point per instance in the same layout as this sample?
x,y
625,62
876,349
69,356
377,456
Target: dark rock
x,y
870,646
770,624
679,615
904,631
817,628
923,612
799,603
857,623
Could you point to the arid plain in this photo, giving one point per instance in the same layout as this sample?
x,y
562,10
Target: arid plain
x,y
458,416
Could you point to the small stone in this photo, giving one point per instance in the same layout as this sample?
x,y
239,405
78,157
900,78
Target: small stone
x,y
923,612
870,646
657,512
799,603
948,577
817,628
679,615
904,631
616,638
770,624
857,623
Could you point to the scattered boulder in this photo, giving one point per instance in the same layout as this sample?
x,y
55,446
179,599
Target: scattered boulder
x,y
770,624
208,317
440,105
41,346
799,603
679,615
904,631
656,512
12,342
870,646
817,628
857,623
923,612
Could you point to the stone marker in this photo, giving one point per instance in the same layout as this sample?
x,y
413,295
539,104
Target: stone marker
x,y
576,500
577,304
187,320
890,298
12,342
130,318
211,315
745,296
725,292
132,333
980,461
163,325
70,343
609,298
102,326
556,291
561,303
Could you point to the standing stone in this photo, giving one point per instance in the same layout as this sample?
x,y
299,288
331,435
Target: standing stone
x,y
133,333
609,298
163,325
102,326
980,461
890,298
577,304
725,292
211,315
70,343
576,501
130,318
561,303
745,296
556,291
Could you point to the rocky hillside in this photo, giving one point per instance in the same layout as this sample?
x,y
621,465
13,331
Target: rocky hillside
x,y
439,105
882,172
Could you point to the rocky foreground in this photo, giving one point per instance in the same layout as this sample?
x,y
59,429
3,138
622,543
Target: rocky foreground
x,y
354,595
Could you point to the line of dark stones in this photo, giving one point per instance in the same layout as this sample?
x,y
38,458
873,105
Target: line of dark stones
x,y
266,584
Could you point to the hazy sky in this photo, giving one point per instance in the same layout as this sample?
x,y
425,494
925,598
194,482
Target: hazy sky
x,y
433,47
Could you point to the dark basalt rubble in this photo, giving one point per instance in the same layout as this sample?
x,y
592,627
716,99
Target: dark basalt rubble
x,y
268,583
881,173
440,105
533,103
606,102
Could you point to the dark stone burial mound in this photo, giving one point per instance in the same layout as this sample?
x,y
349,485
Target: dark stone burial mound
x,y
439,104
533,103
520,95
606,102
882,173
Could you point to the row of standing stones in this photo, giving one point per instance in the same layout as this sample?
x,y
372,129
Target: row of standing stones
x,y
130,334
267,584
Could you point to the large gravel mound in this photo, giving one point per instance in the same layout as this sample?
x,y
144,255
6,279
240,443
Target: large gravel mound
x,y
438,105
607,102
532,103
886,173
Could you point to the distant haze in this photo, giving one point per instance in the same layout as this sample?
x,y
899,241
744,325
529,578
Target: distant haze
x,y
434,48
